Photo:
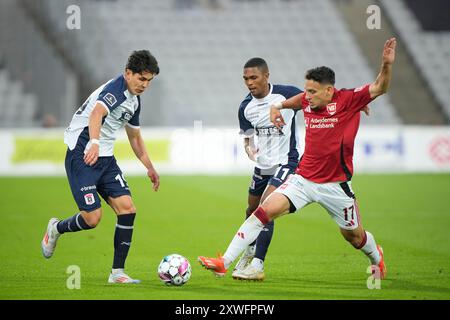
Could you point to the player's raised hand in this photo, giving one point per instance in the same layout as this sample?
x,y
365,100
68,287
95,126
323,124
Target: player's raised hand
x,y
276,118
91,155
389,51
154,177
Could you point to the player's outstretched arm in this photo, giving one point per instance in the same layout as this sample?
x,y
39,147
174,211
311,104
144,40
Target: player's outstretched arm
x,y
139,149
294,102
381,84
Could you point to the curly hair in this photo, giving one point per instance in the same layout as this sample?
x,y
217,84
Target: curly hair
x,y
323,75
142,61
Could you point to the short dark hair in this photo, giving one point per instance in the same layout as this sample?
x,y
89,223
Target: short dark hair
x,y
142,61
323,75
259,63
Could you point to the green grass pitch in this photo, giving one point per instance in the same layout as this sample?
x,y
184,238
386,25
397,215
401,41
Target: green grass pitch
x,y
198,215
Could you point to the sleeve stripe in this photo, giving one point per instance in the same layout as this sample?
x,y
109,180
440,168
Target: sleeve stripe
x,y
103,104
247,133
131,126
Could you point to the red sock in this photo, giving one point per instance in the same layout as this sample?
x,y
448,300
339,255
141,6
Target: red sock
x,y
261,215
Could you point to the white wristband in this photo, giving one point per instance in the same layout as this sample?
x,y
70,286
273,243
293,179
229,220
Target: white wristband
x,y
95,141
278,105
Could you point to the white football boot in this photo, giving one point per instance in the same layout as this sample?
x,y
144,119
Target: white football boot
x,y
245,260
119,276
48,244
250,273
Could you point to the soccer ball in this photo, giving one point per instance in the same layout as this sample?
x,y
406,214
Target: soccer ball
x,y
174,269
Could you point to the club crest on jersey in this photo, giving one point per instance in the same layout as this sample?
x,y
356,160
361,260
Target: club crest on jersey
x,y
126,116
110,99
89,198
331,108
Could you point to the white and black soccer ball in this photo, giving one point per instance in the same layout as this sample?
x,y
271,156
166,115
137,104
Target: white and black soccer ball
x,y
174,269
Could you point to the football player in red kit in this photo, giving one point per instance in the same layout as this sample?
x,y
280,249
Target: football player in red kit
x,y
325,170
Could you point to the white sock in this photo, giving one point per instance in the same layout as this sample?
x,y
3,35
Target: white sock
x,y
116,271
258,264
370,249
247,233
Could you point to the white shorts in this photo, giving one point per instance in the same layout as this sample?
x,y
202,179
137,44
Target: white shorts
x,y
337,198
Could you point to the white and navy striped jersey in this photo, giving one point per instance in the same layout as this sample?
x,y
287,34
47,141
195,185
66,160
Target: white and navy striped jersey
x,y
275,147
123,109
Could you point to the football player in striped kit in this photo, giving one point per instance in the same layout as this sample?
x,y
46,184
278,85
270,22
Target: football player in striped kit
x,y
90,164
274,151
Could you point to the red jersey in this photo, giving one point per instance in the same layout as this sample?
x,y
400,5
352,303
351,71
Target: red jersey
x,y
330,136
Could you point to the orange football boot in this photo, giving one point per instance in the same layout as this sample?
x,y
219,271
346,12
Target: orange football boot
x,y
216,265
380,271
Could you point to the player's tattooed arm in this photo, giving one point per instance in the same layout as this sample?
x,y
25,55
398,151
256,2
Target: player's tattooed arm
x,y
95,124
381,84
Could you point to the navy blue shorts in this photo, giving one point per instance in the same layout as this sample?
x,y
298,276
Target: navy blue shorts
x,y
260,182
86,182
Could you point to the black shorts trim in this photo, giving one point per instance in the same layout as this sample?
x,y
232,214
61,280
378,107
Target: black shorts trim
x,y
346,188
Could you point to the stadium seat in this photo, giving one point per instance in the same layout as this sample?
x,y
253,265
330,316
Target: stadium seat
x,y
202,51
430,50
